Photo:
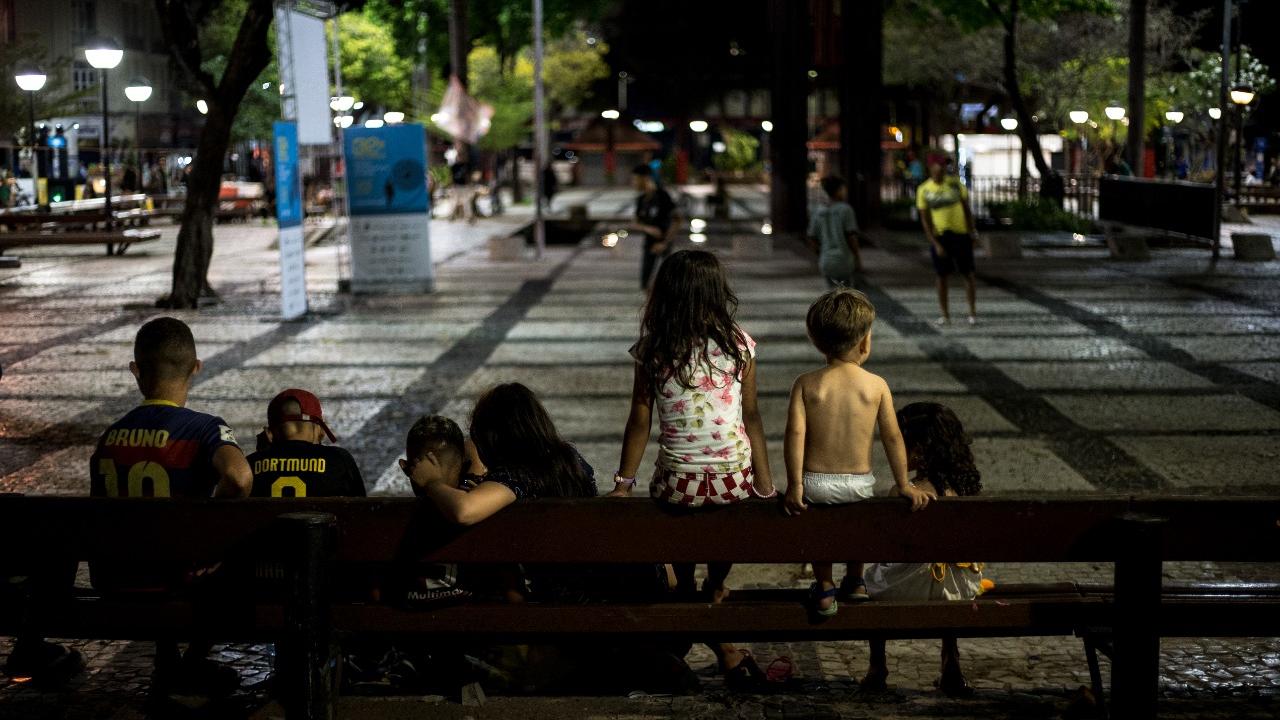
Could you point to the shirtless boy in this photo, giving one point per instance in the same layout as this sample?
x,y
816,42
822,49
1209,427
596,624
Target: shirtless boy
x,y
831,423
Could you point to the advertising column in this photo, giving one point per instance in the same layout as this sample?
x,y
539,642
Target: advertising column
x,y
293,266
390,211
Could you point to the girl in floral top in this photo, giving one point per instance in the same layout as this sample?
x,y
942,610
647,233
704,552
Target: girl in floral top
x,y
698,368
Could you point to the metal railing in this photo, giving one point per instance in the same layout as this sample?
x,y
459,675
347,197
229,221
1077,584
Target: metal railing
x,y
1080,192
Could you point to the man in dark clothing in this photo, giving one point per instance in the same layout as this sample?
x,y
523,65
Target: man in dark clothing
x,y
295,463
655,217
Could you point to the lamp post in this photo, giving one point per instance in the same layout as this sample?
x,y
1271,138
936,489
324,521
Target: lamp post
x,y
1241,96
139,91
1080,117
1173,117
104,54
31,79
1010,124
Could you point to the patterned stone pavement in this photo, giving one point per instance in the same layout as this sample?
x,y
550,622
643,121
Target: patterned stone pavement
x,y
1083,375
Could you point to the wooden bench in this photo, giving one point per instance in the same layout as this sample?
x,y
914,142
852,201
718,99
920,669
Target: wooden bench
x,y
1260,198
315,537
116,241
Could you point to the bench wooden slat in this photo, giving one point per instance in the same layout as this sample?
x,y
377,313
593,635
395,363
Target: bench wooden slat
x,y
639,531
78,237
746,621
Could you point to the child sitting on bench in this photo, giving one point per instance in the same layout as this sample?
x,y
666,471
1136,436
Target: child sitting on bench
x,y
938,451
831,424
295,462
163,449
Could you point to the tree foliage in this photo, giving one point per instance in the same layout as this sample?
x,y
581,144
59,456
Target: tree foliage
x,y
372,70
56,97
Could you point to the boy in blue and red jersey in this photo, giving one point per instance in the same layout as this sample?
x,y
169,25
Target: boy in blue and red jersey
x,y
162,449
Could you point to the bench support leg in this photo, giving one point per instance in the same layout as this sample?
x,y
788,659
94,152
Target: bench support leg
x,y
308,661
1095,676
1135,670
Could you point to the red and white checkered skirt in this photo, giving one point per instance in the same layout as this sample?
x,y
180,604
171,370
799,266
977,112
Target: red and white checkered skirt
x,y
693,489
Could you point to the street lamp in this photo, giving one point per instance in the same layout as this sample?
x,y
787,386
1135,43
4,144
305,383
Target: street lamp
x,y
374,123
1114,112
1215,113
342,103
1010,124
393,117
1241,96
104,54
1079,117
31,79
1173,117
610,114
698,126
766,125
202,107
139,91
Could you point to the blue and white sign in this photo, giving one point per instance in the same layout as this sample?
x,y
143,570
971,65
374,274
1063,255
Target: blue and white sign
x,y
293,265
390,209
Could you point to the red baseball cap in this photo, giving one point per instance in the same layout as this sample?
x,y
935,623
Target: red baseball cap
x,y
309,406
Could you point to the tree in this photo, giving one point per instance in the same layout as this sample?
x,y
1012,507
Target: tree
x,y
56,97
191,26
372,70
1007,15
571,67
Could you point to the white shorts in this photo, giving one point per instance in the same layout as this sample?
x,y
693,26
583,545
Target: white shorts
x,y
837,488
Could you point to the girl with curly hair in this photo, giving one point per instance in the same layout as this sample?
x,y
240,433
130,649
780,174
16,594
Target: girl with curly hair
x,y
698,368
938,451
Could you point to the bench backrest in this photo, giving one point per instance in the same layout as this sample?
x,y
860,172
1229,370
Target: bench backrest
x,y
638,530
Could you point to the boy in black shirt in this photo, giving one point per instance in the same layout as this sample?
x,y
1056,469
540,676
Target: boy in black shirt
x,y
295,463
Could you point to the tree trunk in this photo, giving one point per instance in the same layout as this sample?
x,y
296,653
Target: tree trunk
x,y
861,107
788,101
249,57
459,39
1137,85
195,237
1051,185
517,190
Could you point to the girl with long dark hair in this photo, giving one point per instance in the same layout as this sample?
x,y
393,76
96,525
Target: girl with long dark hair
x,y
938,451
522,455
698,368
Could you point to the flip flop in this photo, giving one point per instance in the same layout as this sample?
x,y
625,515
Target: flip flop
x,y
854,591
817,595
780,670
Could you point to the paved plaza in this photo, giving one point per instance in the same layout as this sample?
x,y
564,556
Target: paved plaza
x,y
1083,375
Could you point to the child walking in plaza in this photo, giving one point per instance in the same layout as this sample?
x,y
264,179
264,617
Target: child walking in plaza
x,y
831,423
833,233
698,368
938,451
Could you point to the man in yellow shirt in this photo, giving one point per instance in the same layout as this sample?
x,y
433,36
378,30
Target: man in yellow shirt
x,y
948,223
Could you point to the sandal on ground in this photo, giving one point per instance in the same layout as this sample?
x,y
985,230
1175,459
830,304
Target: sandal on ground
x,y
45,663
853,590
780,670
816,596
746,676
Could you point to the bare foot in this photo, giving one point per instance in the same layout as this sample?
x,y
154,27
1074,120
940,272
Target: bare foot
x,y
718,595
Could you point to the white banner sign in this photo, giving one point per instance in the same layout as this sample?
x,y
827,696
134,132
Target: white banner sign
x,y
307,65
